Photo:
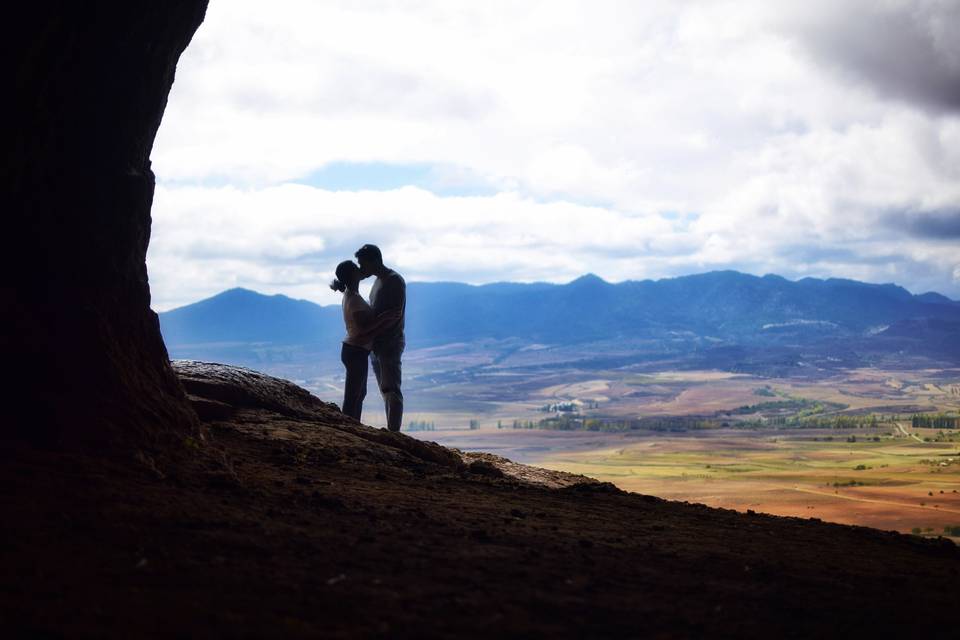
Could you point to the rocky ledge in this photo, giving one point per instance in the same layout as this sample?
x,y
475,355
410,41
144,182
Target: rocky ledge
x,y
262,406
287,518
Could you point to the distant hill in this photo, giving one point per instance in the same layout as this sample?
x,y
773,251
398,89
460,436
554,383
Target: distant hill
x,y
241,315
722,307
723,304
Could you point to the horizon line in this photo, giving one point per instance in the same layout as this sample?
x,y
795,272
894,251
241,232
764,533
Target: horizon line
x,y
588,275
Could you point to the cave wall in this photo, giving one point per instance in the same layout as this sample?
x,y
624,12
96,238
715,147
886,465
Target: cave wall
x,y
84,357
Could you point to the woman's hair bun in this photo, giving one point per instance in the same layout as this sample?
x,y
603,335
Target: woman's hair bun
x,y
347,271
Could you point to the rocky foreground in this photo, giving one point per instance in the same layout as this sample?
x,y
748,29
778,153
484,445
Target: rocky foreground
x,y
289,519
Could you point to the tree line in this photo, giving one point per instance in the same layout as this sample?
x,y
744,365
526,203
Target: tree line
x,y
934,421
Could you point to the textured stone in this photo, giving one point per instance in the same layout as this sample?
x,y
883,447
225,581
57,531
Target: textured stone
x,y
90,83
242,396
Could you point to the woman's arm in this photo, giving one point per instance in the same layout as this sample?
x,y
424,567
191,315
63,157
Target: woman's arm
x,y
365,316
373,326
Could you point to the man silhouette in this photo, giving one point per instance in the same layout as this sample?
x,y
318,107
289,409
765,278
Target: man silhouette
x,y
389,292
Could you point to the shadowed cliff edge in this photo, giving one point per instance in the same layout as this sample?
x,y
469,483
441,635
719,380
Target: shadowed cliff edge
x,y
294,519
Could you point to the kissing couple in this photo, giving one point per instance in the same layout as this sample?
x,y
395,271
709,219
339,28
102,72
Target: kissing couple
x,y
374,332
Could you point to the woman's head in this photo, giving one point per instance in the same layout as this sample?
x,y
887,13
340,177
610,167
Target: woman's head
x,y
348,276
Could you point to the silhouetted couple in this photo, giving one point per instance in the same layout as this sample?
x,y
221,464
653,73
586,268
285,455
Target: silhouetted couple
x,y
374,332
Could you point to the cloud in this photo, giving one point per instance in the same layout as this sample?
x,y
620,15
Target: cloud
x,y
288,238
527,141
935,225
907,50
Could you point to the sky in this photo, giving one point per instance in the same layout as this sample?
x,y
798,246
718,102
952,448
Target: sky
x,y
538,141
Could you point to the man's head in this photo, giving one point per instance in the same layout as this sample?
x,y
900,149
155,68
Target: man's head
x,y
370,259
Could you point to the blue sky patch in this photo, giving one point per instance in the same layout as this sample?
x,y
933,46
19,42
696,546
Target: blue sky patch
x,y
383,176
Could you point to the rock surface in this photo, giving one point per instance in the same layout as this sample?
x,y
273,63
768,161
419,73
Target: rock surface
x,y
90,83
290,519
248,398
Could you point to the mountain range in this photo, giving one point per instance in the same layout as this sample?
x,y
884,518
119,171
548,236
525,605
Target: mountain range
x,y
709,311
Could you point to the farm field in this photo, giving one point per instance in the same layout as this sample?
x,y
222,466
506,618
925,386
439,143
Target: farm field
x,y
491,397
887,475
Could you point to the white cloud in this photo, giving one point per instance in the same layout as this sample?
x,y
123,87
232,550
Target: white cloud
x,y
628,139
288,238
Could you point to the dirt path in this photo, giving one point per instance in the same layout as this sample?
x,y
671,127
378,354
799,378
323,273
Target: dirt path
x,y
907,433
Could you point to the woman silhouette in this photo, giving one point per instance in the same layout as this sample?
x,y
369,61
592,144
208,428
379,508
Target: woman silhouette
x,y
362,327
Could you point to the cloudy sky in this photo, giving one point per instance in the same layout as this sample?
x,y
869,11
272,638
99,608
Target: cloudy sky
x,y
489,141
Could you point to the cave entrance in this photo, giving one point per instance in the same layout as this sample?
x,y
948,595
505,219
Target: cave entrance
x,y
91,87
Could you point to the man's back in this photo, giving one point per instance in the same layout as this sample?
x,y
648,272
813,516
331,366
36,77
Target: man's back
x,y
389,292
